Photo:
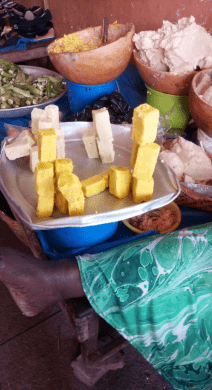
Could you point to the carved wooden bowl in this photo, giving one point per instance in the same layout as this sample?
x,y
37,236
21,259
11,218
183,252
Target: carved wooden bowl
x,y
100,65
164,82
201,111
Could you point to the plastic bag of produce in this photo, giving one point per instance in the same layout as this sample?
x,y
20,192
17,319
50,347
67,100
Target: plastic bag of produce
x,y
119,110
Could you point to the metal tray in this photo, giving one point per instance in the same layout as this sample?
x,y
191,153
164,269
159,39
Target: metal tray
x,y
17,183
36,72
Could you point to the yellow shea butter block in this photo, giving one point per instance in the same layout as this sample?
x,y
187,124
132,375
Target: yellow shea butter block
x,y
144,124
94,185
134,153
105,174
142,190
77,207
61,203
119,181
45,206
44,177
63,165
69,185
146,160
47,144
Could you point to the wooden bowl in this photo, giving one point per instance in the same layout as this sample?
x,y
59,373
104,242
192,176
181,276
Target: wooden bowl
x,y
97,66
173,207
164,82
200,110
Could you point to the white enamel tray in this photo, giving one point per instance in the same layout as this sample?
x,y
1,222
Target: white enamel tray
x,y
17,183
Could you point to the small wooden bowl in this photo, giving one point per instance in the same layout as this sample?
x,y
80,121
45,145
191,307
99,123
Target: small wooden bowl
x,y
164,82
96,66
201,111
173,207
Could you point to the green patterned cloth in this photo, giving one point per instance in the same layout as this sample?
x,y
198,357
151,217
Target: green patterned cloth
x,y
157,292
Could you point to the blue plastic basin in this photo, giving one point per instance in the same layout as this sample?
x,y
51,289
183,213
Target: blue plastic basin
x,y
63,239
82,95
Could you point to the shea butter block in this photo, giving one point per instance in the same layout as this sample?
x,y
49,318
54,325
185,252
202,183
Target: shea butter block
x,y
134,152
142,190
77,207
105,174
33,158
52,112
47,144
36,115
102,125
94,185
119,181
145,122
146,160
44,176
61,202
89,140
69,185
45,206
63,165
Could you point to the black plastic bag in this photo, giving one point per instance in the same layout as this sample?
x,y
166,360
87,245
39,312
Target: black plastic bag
x,y
118,109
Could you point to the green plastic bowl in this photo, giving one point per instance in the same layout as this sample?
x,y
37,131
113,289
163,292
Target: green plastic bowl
x,y
174,110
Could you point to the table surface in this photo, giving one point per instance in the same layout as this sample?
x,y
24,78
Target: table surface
x,y
34,51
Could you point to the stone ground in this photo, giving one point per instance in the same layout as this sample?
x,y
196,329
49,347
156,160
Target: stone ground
x,y
36,353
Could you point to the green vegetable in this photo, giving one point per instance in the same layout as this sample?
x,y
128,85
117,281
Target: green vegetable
x,y
18,89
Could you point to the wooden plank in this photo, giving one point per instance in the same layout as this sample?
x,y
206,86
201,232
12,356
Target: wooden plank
x,y
34,51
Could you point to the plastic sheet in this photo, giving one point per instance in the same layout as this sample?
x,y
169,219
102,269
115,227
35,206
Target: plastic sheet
x,y
119,110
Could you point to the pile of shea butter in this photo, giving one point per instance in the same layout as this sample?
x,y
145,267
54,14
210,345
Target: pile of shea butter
x,y
175,48
188,160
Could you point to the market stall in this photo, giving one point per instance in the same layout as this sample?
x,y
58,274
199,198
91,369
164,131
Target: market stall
x,y
168,186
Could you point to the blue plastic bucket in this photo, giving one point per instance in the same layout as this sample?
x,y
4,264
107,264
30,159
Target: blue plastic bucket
x,y
63,239
82,95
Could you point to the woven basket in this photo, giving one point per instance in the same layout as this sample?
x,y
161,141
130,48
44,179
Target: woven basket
x,y
15,227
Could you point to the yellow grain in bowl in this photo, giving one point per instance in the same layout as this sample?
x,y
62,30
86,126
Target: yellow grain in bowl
x,y
73,43
164,220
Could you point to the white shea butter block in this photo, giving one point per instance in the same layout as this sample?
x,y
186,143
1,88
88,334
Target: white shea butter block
x,y
17,149
33,158
36,115
21,146
52,112
89,140
45,123
106,151
101,121
60,145
26,136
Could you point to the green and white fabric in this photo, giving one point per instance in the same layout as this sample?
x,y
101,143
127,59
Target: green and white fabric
x,y
157,292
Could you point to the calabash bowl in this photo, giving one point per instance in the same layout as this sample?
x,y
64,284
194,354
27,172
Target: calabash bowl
x,y
201,111
164,82
172,207
100,65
